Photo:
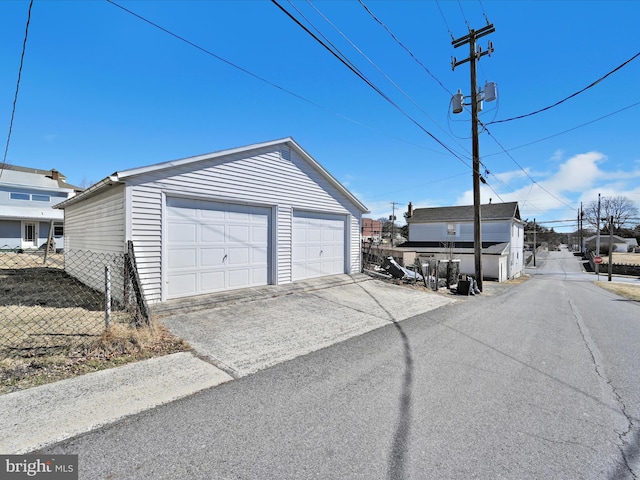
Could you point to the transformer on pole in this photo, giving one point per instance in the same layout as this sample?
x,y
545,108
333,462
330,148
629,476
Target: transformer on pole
x,y
490,94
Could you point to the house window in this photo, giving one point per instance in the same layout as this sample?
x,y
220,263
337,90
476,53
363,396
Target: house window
x,y
58,230
40,198
451,229
19,196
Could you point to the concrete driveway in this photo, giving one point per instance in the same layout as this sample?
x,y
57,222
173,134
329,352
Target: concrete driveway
x,y
260,328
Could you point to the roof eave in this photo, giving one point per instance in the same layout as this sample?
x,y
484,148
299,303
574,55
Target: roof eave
x,y
93,189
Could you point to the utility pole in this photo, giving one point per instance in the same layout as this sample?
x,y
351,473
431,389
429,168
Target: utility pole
x,y
393,221
598,238
580,225
610,269
474,55
534,242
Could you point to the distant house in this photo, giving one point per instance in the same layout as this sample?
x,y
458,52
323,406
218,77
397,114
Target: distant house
x,y
371,230
27,196
447,232
620,244
262,214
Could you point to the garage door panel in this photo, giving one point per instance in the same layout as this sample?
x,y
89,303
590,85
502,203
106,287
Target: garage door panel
x,y
181,284
239,256
183,258
212,281
216,246
184,233
239,278
213,233
260,234
239,234
210,257
318,245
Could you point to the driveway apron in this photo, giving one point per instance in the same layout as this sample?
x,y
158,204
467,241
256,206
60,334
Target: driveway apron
x,y
249,336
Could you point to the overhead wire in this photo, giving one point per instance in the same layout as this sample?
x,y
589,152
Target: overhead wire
x,y
15,97
444,20
397,40
568,130
464,16
484,13
591,85
389,79
370,83
525,172
257,77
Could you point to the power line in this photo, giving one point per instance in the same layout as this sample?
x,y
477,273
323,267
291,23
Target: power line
x,y
369,82
570,96
258,77
15,97
568,130
371,62
464,16
484,13
523,170
444,20
388,30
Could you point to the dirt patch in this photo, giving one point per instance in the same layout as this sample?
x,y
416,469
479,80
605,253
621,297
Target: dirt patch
x,y
119,345
52,326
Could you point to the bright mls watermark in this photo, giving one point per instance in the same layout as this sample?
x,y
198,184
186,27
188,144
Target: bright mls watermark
x,y
50,467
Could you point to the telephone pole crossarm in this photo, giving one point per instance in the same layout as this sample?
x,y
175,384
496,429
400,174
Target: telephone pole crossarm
x,y
475,53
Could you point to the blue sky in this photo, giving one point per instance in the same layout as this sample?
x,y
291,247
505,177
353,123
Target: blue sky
x,y
101,90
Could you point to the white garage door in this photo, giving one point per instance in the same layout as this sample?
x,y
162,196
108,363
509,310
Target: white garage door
x,y
215,246
318,245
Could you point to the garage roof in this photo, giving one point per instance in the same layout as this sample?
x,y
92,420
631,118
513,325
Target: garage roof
x,y
122,176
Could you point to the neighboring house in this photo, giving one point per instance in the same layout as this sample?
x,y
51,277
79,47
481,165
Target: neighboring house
x,y
620,244
27,197
262,214
447,232
371,230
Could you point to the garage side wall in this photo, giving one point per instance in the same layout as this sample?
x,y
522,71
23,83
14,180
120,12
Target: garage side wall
x,y
273,176
94,232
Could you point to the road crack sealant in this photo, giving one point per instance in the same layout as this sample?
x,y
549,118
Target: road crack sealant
x,y
624,433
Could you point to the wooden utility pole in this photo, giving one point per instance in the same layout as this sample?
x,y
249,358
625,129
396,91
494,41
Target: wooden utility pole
x,y
534,242
474,55
610,269
393,221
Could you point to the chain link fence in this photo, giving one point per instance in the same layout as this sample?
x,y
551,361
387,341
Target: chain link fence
x,y
58,302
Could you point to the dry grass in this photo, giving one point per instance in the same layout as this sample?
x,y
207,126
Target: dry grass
x,y
52,326
626,290
119,345
620,258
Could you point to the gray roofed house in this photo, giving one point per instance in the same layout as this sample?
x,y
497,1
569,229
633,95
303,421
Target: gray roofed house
x,y
446,231
27,197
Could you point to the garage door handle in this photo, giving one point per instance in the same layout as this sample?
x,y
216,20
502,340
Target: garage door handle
x,y
224,258
320,252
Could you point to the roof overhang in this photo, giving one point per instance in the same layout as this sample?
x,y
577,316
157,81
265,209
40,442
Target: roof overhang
x,y
125,175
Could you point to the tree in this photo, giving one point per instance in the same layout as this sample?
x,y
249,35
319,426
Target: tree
x,y
620,207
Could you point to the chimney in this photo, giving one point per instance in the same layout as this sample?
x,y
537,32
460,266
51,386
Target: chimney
x,y
54,174
410,210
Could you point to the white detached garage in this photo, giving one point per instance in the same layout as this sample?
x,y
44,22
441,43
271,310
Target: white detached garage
x,y
251,216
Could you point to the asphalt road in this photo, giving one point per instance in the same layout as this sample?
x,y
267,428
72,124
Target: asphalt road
x,y
536,381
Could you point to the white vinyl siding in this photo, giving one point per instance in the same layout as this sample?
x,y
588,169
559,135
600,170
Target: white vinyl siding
x,y
98,223
259,177
94,234
492,231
